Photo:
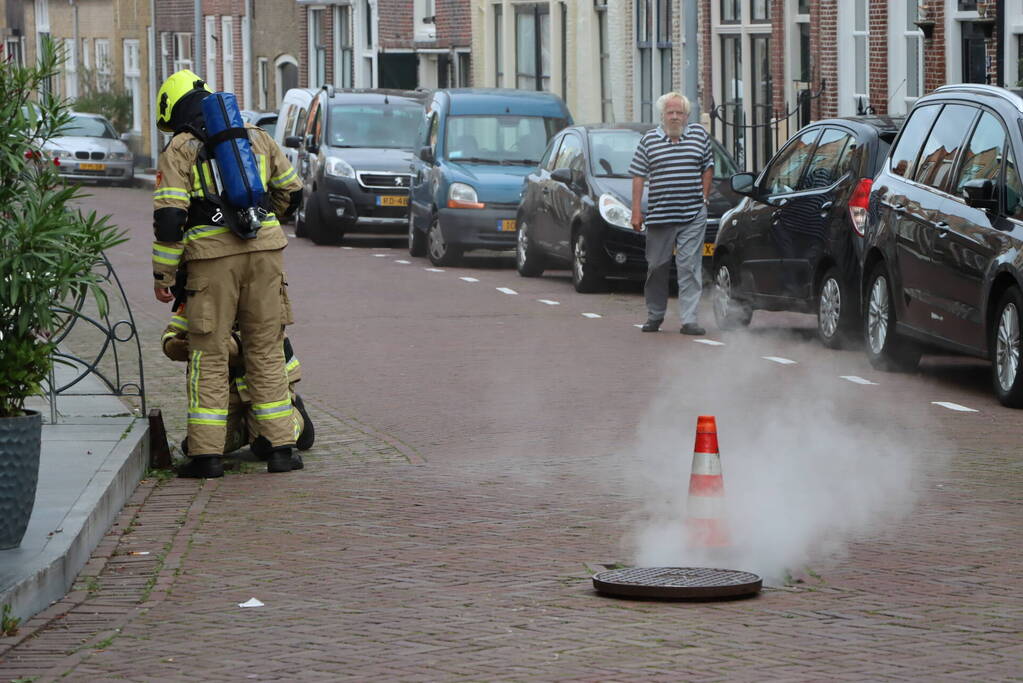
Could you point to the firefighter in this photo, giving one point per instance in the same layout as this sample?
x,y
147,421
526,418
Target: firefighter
x,y
242,427
230,278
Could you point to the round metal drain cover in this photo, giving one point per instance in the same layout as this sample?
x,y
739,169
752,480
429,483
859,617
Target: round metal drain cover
x,y
677,583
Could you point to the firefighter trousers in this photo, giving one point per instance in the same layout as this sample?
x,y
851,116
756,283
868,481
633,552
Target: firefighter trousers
x,y
248,288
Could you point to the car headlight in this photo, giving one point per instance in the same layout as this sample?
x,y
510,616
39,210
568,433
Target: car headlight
x,y
614,211
58,154
120,156
338,168
462,196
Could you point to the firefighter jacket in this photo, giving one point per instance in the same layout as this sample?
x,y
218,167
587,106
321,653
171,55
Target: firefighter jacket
x,y
182,225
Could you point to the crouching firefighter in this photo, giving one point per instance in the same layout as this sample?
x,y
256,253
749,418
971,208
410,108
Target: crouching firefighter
x,y
233,246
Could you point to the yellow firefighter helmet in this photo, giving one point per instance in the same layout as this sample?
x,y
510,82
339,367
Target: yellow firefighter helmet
x,y
173,89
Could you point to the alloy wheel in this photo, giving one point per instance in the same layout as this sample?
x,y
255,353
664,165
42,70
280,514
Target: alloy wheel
x,y
722,292
438,248
830,307
521,244
1007,347
579,258
877,315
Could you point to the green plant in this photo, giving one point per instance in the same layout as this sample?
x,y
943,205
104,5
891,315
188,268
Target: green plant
x,y
48,248
100,98
8,624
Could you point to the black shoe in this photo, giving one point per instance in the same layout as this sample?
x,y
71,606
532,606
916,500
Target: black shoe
x,y
652,324
296,462
184,445
279,460
693,329
308,435
261,448
202,467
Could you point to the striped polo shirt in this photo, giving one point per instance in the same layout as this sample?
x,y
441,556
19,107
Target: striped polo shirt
x,y
674,172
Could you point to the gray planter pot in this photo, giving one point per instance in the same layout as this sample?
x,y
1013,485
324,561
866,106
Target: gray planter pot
x,y
20,443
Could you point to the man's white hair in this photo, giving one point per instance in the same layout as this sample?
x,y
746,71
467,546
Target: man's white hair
x,y
663,100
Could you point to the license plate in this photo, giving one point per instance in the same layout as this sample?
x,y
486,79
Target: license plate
x,y
708,248
92,167
506,225
392,200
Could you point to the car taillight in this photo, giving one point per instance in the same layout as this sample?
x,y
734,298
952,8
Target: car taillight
x,y
858,204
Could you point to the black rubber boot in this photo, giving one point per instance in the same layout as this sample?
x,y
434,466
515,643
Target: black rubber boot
x,y
308,435
202,467
296,462
261,448
279,460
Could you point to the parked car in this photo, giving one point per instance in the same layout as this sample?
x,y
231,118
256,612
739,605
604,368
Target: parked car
x,y
89,150
467,179
354,162
267,120
291,119
794,243
576,208
943,260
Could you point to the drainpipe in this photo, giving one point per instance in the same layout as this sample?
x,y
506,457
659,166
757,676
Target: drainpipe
x,y
247,98
153,85
197,46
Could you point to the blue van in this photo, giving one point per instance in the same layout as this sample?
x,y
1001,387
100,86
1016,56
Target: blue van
x,y
467,180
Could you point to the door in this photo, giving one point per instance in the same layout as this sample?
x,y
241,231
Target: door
x,y
536,196
765,244
971,241
563,199
420,195
922,229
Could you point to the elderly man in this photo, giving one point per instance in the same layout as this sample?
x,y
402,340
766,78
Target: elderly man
x,y
677,160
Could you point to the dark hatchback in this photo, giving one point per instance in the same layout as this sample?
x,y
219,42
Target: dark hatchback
x,y
943,263
354,162
576,206
794,242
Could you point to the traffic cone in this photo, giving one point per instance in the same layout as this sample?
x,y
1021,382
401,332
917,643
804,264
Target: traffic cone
x,y
706,521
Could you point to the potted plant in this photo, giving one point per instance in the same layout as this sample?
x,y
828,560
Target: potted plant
x,y
48,251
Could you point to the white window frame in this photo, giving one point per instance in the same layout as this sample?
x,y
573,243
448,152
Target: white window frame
x,y
227,51
278,81
133,82
165,56
1013,76
71,68
12,47
316,18
848,98
180,61
210,52
86,55
263,80
343,43
424,15
104,68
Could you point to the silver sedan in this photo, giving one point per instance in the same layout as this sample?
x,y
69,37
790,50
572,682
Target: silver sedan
x,y
89,150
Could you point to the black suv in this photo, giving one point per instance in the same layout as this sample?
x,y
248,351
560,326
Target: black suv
x,y
354,162
942,260
794,242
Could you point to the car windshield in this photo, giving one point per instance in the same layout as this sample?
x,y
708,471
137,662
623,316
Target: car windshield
x,y
394,126
724,167
88,127
500,139
611,151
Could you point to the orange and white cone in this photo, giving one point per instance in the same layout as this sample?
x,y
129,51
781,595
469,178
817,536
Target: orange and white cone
x,y
706,521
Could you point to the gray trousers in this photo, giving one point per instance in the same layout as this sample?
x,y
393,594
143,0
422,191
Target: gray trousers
x,y
687,241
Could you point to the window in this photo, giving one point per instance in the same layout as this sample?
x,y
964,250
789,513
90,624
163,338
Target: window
x,y
211,52
343,67
12,51
914,53
1013,187
165,57
787,168
263,84
982,158
70,68
367,12
571,154
500,138
227,50
532,48
732,96
803,6
388,126
967,5
760,11
464,68
861,36
182,51
547,162
974,48
317,48
104,78
612,151
498,47
939,152
424,19
830,160
903,159
664,43
1019,60
763,98
606,111
644,49
731,12
133,82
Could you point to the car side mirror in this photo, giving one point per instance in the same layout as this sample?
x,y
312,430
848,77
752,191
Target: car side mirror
x,y
293,141
743,183
980,194
562,175
126,137
310,145
426,154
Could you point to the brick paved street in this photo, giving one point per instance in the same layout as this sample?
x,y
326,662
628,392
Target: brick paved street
x,y
480,455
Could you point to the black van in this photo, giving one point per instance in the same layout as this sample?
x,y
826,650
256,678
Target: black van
x,y
943,263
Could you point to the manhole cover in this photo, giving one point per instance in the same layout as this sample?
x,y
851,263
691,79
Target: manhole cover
x,y
677,583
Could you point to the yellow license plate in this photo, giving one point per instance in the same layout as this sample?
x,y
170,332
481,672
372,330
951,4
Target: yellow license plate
x,y
708,248
506,225
93,167
393,200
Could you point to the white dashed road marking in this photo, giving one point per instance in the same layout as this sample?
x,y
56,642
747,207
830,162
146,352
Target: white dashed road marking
x,y
506,290
709,342
857,380
380,255
348,248
549,302
591,315
434,270
779,360
954,406
469,279
403,261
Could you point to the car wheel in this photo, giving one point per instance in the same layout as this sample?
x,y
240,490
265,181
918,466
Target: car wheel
x,y
885,350
416,238
587,266
318,229
440,252
729,312
834,310
1005,349
299,223
528,260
